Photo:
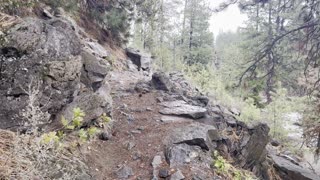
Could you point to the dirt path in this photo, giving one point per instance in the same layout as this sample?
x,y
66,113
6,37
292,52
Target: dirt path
x,y
137,135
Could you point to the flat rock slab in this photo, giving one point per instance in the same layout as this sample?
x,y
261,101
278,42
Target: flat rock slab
x,y
181,108
172,119
188,132
291,170
177,176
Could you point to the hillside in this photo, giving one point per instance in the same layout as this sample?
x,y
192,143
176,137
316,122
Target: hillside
x,y
77,105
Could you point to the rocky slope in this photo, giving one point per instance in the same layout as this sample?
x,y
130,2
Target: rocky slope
x,y
163,127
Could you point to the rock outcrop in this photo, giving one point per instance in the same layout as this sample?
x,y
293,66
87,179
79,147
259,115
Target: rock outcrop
x,y
161,81
245,145
288,170
188,146
45,72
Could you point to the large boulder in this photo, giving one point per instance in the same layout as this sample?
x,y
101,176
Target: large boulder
x,y
290,171
54,39
161,81
40,70
94,70
182,86
94,104
142,60
187,148
246,145
253,146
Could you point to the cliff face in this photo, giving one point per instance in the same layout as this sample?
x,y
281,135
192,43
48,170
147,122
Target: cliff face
x,y
162,126
45,68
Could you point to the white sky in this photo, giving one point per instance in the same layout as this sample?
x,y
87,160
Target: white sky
x,y
227,20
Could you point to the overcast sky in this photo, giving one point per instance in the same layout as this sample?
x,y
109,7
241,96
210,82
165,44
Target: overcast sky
x,y
227,20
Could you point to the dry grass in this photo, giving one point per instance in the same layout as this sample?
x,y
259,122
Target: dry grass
x,y
6,149
24,157
7,21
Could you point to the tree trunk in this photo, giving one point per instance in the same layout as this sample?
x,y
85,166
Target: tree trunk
x,y
258,16
174,54
184,21
270,67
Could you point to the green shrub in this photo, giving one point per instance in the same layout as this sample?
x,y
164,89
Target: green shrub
x,y
220,164
12,7
250,112
75,126
71,6
44,155
227,170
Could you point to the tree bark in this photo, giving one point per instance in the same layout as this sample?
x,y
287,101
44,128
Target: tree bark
x,y
270,83
184,21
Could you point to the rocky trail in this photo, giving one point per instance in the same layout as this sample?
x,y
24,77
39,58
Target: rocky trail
x,y
162,128
145,141
136,148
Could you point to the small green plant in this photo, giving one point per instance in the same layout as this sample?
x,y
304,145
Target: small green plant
x,y
105,118
92,131
220,163
224,168
78,115
50,137
74,125
83,135
77,120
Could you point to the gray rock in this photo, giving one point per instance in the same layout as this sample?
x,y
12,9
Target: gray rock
x,y
124,173
177,176
156,161
137,155
235,111
253,146
142,87
291,171
155,164
96,49
130,145
135,132
104,136
214,135
161,81
231,120
131,67
154,178
159,99
182,154
47,14
201,100
142,60
164,173
94,70
170,119
93,105
188,132
181,108
196,177
53,39
188,144
41,63
59,12
275,143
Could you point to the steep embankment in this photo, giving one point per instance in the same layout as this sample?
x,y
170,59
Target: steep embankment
x,y
162,127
